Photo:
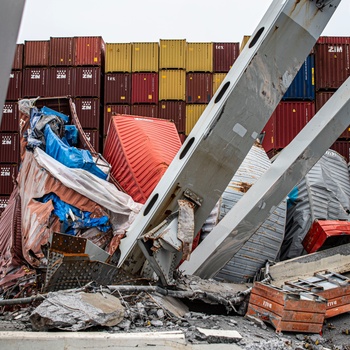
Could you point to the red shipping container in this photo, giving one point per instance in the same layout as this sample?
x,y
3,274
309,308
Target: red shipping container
x,y
36,53
93,136
140,151
61,52
267,135
111,110
332,62
18,59
224,55
61,81
14,90
343,148
174,111
10,117
87,81
144,88
88,111
199,87
145,110
89,51
117,88
35,82
9,147
4,200
8,174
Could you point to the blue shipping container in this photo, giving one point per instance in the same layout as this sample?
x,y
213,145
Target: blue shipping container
x,y
303,85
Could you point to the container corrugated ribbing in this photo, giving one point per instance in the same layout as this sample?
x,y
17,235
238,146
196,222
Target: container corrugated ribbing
x,y
174,111
14,90
199,87
18,59
118,57
117,88
87,81
343,148
89,51
9,147
10,117
140,151
93,136
217,80
172,85
224,56
88,111
172,54
36,53
145,110
8,174
199,57
111,110
193,113
61,51
144,88
145,57
61,81
35,82
3,203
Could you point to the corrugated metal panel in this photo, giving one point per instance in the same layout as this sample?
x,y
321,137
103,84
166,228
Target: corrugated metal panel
x,y
224,56
199,57
89,51
4,200
244,41
14,90
117,88
111,110
118,57
217,80
61,51
9,150
8,174
18,59
88,112
332,62
174,111
172,85
36,53
343,148
199,87
145,57
193,112
303,85
144,88
61,81
35,82
145,110
172,54
140,150
93,136
87,81
10,117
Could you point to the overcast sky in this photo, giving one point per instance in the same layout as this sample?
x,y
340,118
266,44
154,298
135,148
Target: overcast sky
x,y
151,20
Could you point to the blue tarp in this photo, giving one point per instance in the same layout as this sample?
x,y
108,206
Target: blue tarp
x,y
71,134
48,111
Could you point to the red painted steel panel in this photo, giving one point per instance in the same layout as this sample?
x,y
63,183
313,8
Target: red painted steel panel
x,y
144,88
145,110
10,117
343,148
9,147
93,136
89,51
61,81
35,82
61,51
332,62
36,53
224,55
174,111
199,87
88,111
267,135
87,81
140,150
18,59
117,88
111,110
14,90
4,200
8,174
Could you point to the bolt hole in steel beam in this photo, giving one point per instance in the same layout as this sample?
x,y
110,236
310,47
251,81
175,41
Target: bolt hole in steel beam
x,y
256,37
222,92
187,147
150,204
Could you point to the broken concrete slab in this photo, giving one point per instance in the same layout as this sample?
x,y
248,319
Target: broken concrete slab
x,y
220,335
172,305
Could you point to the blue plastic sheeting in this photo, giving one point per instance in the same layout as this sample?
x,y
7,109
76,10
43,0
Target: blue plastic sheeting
x,y
48,111
72,218
71,134
70,156
292,197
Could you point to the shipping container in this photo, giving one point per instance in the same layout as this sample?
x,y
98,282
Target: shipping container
x,y
111,110
18,59
144,88
61,81
182,138
93,136
118,57
36,53
61,51
8,174
87,81
172,85
224,56
174,111
14,90
199,87
88,51
10,117
199,57
145,57
172,54
9,147
244,42
35,81
303,85
332,62
343,148
217,80
4,200
145,110
88,112
193,113
117,88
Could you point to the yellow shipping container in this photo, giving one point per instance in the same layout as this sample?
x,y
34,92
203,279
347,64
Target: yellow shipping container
x,y
199,57
145,57
244,42
172,54
217,80
118,57
193,113
172,85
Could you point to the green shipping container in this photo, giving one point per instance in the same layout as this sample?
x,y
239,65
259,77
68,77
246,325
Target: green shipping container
x,y
172,54
145,57
118,57
172,85
199,57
